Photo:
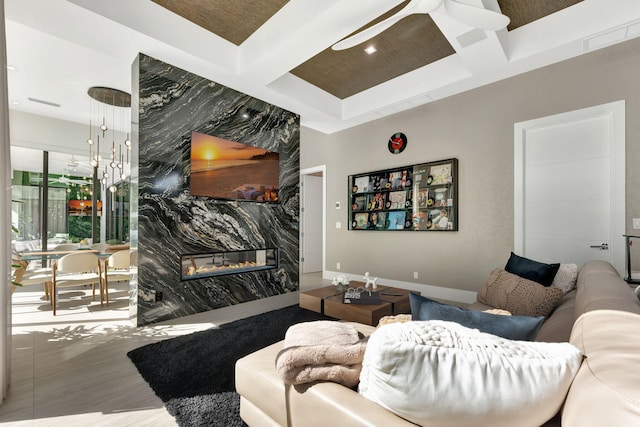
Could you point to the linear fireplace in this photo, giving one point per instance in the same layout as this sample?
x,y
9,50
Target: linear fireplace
x,y
198,266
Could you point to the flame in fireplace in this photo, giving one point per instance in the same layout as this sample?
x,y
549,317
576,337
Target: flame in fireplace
x,y
203,269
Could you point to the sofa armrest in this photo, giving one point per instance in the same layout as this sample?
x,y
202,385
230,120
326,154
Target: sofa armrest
x,y
258,382
329,404
266,400
607,382
600,287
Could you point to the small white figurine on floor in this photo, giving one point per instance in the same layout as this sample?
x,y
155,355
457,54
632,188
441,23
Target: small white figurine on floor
x,y
370,281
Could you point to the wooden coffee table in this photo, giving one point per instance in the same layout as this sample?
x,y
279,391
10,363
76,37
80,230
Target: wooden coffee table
x,y
328,301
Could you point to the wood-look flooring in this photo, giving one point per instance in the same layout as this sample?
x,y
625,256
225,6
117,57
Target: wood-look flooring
x,y
72,369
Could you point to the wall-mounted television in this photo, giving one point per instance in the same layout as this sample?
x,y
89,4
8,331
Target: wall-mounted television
x,y
231,170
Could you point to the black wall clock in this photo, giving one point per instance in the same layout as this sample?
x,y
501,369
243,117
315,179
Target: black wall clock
x,y
397,143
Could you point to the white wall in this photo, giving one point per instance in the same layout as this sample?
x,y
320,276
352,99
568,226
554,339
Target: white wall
x,y
477,128
46,133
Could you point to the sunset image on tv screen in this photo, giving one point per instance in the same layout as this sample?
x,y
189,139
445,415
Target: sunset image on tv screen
x,y
232,170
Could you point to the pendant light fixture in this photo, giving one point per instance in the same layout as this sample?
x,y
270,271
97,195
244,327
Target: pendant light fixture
x,y
115,103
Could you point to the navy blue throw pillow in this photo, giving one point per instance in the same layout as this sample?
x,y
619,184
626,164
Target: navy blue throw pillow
x,y
533,270
520,328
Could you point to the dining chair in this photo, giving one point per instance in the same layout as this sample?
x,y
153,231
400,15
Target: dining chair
x,y
23,277
100,247
25,273
82,268
67,247
117,268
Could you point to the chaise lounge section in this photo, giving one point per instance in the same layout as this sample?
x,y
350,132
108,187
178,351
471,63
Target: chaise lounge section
x,y
601,317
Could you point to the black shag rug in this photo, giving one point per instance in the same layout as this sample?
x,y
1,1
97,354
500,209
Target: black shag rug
x,y
194,374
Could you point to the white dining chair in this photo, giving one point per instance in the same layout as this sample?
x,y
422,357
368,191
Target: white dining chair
x,y
23,277
25,274
76,269
67,247
117,268
62,247
100,247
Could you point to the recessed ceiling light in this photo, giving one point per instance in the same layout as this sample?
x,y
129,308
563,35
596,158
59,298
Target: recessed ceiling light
x,y
15,102
371,50
11,68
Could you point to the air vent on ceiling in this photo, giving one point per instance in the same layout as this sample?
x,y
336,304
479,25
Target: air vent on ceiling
x,y
41,101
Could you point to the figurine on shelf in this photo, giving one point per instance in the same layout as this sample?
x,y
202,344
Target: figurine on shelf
x,y
370,281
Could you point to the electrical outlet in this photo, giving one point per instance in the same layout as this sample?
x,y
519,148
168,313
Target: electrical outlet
x,y
158,296
415,274
337,265
636,223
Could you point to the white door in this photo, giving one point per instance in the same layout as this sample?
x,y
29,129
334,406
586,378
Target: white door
x,y
570,185
311,239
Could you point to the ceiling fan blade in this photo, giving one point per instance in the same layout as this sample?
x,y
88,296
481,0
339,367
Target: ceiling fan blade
x,y
369,33
476,17
79,181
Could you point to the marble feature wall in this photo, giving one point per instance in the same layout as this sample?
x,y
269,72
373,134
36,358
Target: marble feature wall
x,y
169,222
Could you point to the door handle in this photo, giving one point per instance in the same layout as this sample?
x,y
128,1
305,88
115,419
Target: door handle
x,y
602,247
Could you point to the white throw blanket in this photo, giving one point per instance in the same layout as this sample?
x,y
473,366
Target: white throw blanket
x,y
321,351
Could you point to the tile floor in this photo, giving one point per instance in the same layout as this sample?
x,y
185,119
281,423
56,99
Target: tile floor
x,y
72,370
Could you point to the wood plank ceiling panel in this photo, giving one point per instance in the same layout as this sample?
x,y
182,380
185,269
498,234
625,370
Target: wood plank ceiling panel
x,y
233,20
523,12
411,43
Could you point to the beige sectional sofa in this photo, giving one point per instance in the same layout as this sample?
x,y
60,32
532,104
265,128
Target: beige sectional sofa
x,y
601,317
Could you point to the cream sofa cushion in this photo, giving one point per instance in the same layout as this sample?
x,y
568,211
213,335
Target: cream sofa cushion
x,y
606,390
441,373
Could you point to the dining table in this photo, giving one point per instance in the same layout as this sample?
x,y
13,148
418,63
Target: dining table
x,y
47,256
54,254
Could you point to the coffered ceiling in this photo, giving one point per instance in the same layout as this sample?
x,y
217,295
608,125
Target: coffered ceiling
x,y
280,51
415,42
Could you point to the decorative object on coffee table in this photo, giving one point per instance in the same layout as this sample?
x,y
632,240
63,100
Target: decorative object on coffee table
x,y
369,281
340,282
360,296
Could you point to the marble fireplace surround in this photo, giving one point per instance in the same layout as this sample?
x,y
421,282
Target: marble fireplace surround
x,y
168,104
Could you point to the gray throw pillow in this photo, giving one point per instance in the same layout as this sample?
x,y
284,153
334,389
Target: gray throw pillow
x,y
520,328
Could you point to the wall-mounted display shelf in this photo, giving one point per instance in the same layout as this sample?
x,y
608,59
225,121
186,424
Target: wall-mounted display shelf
x,y
420,197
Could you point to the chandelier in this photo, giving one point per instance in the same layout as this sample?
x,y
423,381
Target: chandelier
x,y
109,143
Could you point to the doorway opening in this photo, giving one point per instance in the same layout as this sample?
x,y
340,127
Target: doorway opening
x,y
312,220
